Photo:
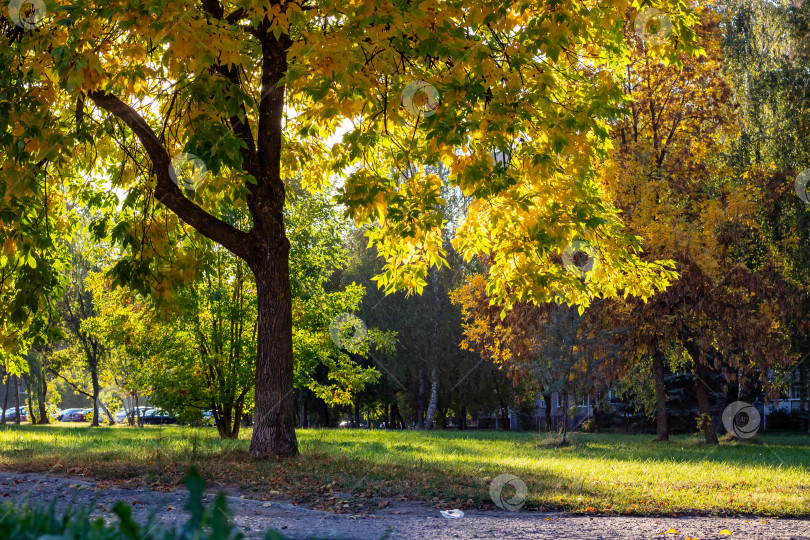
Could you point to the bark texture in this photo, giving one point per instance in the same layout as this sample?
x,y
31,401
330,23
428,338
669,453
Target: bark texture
x,y
661,426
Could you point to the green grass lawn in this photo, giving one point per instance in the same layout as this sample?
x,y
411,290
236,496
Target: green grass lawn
x,y
598,473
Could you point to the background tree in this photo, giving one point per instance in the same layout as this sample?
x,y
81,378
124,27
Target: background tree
x,y
76,308
766,57
669,177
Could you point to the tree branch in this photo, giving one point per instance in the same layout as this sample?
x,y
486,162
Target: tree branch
x,y
166,191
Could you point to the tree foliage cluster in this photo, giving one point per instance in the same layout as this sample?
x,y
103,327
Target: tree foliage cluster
x,y
183,185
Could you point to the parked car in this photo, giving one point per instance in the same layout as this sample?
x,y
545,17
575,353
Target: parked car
x,y
11,414
157,417
71,415
123,414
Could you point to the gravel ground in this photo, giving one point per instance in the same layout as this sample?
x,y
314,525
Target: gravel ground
x,y
400,520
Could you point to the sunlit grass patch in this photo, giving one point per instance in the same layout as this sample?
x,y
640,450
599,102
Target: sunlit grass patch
x,y
597,473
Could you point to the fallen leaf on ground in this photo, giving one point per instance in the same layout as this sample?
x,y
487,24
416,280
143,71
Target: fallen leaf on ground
x,y
725,532
671,531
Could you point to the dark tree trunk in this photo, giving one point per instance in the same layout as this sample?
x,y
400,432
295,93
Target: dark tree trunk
x,y
323,413
420,402
274,418
504,413
265,247
137,416
303,413
5,400
702,375
17,399
547,403
237,421
745,391
702,388
565,416
227,420
96,390
387,416
661,427
43,411
274,423
356,417
31,417
396,416
462,416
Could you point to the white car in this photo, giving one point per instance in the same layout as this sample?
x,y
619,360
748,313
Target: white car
x,y
122,415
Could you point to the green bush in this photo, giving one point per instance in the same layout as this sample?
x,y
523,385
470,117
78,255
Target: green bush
x,y
30,523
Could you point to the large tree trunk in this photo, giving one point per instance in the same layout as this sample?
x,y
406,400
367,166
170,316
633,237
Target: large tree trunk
x,y
661,426
265,247
434,396
43,411
274,425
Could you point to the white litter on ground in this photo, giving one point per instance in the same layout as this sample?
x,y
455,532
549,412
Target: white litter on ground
x,y
452,514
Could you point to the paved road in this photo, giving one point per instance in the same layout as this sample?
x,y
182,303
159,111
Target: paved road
x,y
400,520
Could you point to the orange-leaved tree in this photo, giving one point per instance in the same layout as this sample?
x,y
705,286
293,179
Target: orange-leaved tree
x,y
730,307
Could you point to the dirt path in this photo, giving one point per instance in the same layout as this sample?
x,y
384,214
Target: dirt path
x,y
401,520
